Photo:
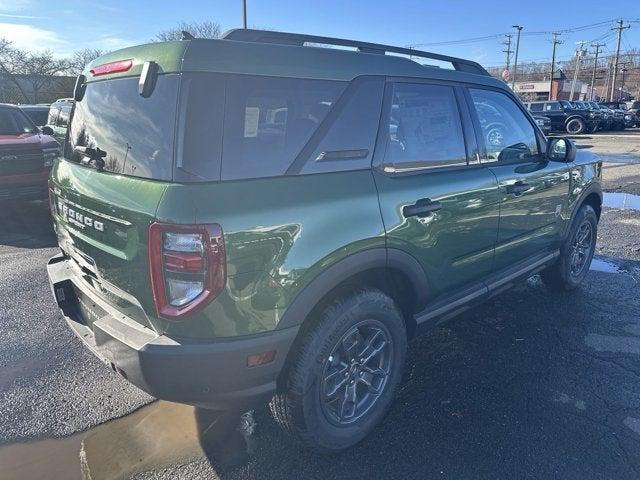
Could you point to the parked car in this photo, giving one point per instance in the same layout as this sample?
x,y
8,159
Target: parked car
x,y
26,156
566,117
633,107
276,226
37,113
544,123
58,119
621,118
607,122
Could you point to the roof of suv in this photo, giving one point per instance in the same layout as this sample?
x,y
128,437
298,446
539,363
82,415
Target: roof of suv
x,y
243,52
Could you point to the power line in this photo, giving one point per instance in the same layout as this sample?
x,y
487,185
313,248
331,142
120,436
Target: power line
x,y
508,51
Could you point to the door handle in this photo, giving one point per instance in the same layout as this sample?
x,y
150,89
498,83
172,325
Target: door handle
x,y
518,188
422,208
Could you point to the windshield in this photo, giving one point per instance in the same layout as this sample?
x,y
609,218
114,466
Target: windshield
x,y
37,116
135,132
15,122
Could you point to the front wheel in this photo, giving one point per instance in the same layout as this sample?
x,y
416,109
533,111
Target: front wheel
x,y
576,126
576,252
342,380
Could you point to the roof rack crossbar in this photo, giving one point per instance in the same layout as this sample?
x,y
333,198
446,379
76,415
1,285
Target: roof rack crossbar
x,y
283,38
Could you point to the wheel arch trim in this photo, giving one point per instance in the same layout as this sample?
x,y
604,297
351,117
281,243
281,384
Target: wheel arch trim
x,y
350,266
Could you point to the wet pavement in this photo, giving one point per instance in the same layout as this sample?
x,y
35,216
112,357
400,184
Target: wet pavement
x,y
534,384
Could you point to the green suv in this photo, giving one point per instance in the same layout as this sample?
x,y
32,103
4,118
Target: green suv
x,y
253,219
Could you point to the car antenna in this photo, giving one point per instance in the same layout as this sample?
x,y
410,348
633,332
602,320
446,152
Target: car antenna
x,y
186,35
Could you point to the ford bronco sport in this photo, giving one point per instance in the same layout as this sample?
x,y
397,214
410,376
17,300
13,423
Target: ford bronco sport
x,y
253,219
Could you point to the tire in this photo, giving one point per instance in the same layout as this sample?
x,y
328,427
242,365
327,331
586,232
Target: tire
x,y
565,274
576,126
300,405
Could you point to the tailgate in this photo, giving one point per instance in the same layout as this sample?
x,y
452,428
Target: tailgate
x,y
102,222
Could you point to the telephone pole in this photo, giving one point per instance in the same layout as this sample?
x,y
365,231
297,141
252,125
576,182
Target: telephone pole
x,y
515,61
579,52
619,28
555,42
508,51
597,46
624,71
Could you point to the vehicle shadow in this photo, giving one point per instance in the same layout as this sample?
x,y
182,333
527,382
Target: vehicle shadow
x,y
26,224
519,388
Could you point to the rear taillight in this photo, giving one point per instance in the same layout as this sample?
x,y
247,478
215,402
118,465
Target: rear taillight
x,y
187,265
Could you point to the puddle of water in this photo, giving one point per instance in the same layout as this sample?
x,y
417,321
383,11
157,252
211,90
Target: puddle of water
x,y
599,265
153,437
624,201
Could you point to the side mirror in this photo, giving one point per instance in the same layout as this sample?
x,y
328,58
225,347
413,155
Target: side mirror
x,y
46,130
561,150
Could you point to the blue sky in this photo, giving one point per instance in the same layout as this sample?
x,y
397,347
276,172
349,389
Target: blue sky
x,y
67,25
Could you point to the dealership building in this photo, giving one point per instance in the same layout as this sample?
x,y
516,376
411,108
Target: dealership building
x,y
560,89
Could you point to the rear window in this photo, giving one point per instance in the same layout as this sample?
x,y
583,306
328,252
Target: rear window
x,y
135,132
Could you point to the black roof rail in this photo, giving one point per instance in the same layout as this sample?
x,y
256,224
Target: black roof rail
x,y
284,38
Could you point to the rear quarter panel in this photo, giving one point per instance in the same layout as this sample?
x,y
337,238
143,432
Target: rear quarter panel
x,y
279,233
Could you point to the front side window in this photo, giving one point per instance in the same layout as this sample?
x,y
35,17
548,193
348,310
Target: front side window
x,y
508,134
424,127
269,120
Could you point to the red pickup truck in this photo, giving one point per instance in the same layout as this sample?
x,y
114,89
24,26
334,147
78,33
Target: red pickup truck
x,y
26,156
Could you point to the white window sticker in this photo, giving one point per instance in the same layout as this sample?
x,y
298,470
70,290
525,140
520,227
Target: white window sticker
x,y
251,118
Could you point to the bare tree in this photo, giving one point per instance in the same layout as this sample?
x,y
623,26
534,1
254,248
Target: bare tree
x,y
81,58
39,69
9,57
206,29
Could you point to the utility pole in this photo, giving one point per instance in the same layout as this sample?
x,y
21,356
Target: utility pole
x,y
244,13
508,51
619,28
579,52
515,61
623,70
595,66
555,42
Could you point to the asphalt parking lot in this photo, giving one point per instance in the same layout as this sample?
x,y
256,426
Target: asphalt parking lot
x,y
534,384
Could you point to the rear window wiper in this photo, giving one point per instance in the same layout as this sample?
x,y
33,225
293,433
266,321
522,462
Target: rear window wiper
x,y
93,157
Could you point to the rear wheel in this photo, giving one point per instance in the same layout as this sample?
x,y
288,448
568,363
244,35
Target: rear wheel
x,y
576,126
576,252
342,380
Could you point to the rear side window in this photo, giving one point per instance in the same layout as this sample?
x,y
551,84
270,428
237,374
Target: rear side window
x,y
424,127
348,134
536,107
269,120
552,107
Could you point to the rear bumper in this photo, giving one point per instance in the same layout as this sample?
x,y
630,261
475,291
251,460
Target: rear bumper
x,y
210,374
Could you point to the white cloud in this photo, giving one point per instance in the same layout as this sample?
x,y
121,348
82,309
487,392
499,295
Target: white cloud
x,y
33,38
12,6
